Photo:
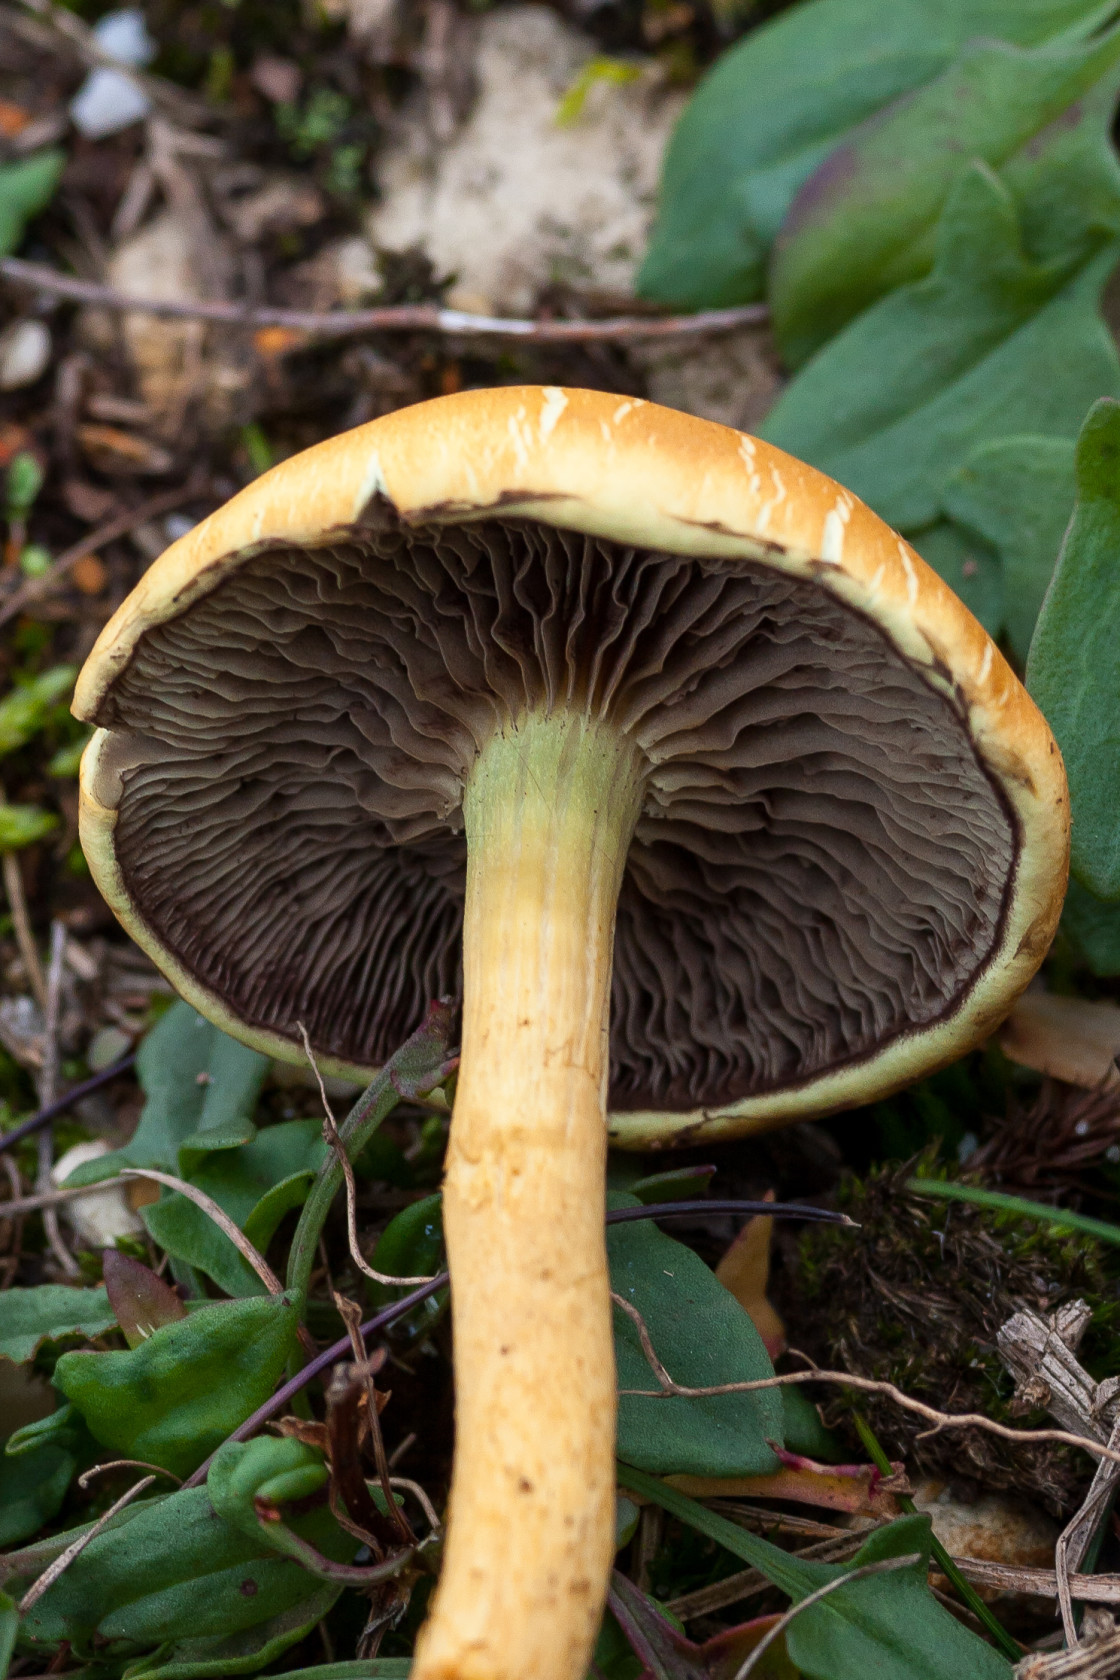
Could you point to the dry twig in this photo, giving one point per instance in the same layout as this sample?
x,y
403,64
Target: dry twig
x,y
396,317
21,926
940,1420
48,1085
221,1219
35,588
62,1563
335,1144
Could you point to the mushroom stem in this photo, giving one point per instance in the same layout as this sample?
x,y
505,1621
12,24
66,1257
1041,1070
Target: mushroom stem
x,y
550,809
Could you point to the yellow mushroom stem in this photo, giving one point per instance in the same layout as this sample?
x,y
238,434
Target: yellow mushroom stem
x,y
550,809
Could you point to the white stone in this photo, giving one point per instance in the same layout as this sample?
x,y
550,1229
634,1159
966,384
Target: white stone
x,y
516,199
25,350
107,101
177,361
98,1219
124,36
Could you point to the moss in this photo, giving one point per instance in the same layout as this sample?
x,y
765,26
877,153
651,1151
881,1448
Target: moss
x,y
916,1296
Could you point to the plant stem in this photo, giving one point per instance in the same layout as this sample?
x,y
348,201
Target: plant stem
x,y
995,1199
423,1054
549,810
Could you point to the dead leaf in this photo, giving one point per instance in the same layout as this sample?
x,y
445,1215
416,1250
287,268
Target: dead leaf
x,y
279,79
88,502
283,205
90,575
858,1489
13,119
112,450
744,1272
1068,1038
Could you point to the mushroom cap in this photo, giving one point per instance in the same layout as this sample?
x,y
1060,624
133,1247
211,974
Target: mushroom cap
x,y
853,850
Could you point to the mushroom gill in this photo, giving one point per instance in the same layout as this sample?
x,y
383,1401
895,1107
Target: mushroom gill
x,y
295,750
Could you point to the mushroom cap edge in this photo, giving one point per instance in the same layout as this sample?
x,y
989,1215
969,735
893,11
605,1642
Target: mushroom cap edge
x,y
633,472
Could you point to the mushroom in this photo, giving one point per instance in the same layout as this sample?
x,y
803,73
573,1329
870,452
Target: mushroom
x,y
543,677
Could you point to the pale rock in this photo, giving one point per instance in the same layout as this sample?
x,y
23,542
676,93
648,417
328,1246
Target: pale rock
x,y
516,200
98,1219
25,350
177,363
123,35
993,1529
108,101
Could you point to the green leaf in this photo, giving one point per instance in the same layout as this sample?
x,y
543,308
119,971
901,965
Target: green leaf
x,y
243,1652
26,188
1093,928
419,1065
22,483
703,1337
64,1427
27,707
888,1624
48,1313
1073,670
1016,494
168,1569
864,223
676,1185
411,1245
177,1396
774,107
266,1468
378,1668
990,345
23,825
32,1488
9,1627
201,1088
256,1185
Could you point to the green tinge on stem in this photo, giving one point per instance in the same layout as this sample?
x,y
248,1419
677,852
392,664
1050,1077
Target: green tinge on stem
x,y
1000,1203
416,1068
965,1590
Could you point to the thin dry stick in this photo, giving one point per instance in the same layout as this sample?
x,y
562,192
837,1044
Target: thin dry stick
x,y
1076,1538
233,1231
21,926
337,1147
11,1224
62,1563
422,1500
53,1198
885,1567
221,1219
48,1087
35,588
405,317
1039,1583
95,1470
351,1315
940,1420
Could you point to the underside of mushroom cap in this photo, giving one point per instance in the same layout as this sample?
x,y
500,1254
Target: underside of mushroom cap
x,y
851,851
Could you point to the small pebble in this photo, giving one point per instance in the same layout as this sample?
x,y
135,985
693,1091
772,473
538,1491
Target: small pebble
x,y
25,350
107,102
177,525
123,35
